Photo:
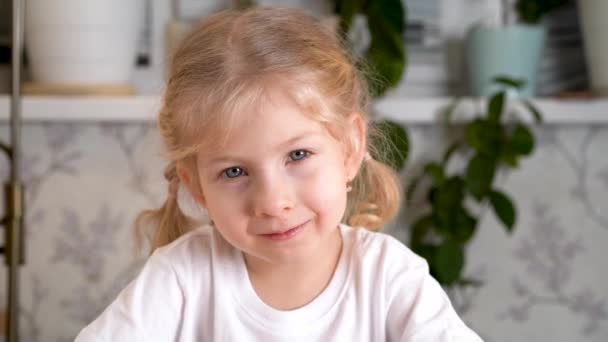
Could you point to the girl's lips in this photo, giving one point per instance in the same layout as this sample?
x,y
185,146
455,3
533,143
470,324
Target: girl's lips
x,y
286,235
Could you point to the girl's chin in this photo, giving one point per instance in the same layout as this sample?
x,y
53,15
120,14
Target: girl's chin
x,y
299,249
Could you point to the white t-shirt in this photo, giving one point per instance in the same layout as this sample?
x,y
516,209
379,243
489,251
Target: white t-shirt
x,y
197,289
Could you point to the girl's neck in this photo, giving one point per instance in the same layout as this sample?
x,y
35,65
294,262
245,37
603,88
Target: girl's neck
x,y
290,286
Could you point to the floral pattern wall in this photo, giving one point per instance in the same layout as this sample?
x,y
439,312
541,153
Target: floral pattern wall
x,y
87,182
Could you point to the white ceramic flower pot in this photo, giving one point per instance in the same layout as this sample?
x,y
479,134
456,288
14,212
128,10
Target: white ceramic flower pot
x,y
595,34
81,41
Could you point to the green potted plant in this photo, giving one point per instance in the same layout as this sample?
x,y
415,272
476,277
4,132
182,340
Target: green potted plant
x,y
512,49
491,142
447,223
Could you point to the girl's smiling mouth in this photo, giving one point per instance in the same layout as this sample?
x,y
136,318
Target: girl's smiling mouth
x,y
286,234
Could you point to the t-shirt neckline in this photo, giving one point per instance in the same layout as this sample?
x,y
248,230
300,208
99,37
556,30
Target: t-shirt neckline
x,y
295,320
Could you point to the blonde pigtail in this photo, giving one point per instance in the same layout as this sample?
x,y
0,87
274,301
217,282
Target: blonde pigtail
x,y
375,197
163,225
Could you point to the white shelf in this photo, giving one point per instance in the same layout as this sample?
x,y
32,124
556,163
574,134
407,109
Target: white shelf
x,y
555,111
84,109
405,110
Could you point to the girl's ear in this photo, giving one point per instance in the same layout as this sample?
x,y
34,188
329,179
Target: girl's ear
x,y
356,148
189,178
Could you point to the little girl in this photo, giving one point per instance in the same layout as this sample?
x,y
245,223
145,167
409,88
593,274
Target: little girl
x,y
264,119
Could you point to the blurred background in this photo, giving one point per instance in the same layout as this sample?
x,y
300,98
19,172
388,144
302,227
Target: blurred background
x,y
506,179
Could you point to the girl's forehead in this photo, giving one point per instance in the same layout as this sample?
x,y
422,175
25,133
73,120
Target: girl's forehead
x,y
260,114
269,110
272,122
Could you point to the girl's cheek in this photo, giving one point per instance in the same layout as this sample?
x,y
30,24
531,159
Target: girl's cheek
x,y
308,168
228,204
316,179
222,195
305,173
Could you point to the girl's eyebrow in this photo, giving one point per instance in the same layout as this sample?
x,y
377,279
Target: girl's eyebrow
x,y
228,158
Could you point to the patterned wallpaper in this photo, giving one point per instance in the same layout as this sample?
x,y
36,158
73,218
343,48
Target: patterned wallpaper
x,y
544,282
86,183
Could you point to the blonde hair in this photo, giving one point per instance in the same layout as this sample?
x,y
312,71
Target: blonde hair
x,y
231,61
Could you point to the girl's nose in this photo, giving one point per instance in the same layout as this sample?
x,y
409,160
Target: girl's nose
x,y
273,196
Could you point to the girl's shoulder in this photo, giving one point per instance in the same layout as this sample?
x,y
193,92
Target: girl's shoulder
x,y
195,250
194,242
381,252
398,281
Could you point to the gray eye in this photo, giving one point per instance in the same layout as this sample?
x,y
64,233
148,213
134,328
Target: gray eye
x,y
298,155
233,172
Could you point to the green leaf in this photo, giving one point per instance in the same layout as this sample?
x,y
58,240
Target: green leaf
x,y
347,9
479,175
516,83
385,58
503,208
474,134
522,141
419,230
432,194
449,262
538,117
396,150
390,12
509,156
386,64
446,203
450,193
429,252
386,54
484,136
436,172
495,106
532,11
464,226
